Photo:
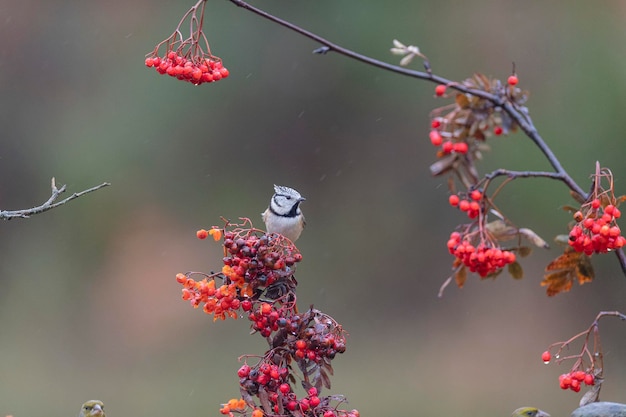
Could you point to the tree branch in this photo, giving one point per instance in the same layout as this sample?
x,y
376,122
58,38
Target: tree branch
x,y
48,205
521,118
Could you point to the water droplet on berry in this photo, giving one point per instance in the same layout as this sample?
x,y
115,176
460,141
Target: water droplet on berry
x,y
557,356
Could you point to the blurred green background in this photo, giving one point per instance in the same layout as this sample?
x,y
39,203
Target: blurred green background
x,y
89,307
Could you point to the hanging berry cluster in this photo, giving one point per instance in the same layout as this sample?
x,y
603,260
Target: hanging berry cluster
x,y
596,229
257,281
188,59
478,246
460,130
484,259
588,363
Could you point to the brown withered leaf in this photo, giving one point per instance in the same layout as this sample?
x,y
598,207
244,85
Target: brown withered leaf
x,y
460,277
516,271
462,101
570,209
563,271
524,251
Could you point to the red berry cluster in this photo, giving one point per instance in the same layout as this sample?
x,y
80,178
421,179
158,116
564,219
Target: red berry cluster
x,y
312,340
470,206
574,379
256,259
257,277
483,259
316,347
273,380
196,70
596,229
448,146
254,262
267,318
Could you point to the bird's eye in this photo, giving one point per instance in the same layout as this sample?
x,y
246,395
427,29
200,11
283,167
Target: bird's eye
x,y
288,197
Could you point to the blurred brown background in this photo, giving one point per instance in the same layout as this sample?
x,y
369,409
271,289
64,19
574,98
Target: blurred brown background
x,y
88,303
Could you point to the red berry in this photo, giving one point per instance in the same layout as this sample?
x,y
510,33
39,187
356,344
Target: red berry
x,y
312,391
314,401
595,203
476,195
435,138
447,146
435,124
512,80
461,147
546,356
453,200
243,371
202,234
440,90
589,379
578,376
284,388
300,344
498,130
464,205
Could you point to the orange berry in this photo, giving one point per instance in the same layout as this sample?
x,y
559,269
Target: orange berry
x,y
202,234
440,90
181,278
257,413
578,216
476,195
216,233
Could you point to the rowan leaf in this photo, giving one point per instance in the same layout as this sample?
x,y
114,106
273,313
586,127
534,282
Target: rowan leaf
x,y
516,271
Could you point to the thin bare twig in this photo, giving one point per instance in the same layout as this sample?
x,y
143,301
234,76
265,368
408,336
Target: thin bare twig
x,y
48,205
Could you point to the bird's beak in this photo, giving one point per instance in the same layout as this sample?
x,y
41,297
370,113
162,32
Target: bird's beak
x,y
97,409
302,199
541,413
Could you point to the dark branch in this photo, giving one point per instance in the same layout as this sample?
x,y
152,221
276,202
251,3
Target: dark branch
x,y
521,118
48,205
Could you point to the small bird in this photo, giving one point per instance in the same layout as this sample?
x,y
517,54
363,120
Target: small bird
x,y
283,216
529,412
92,408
